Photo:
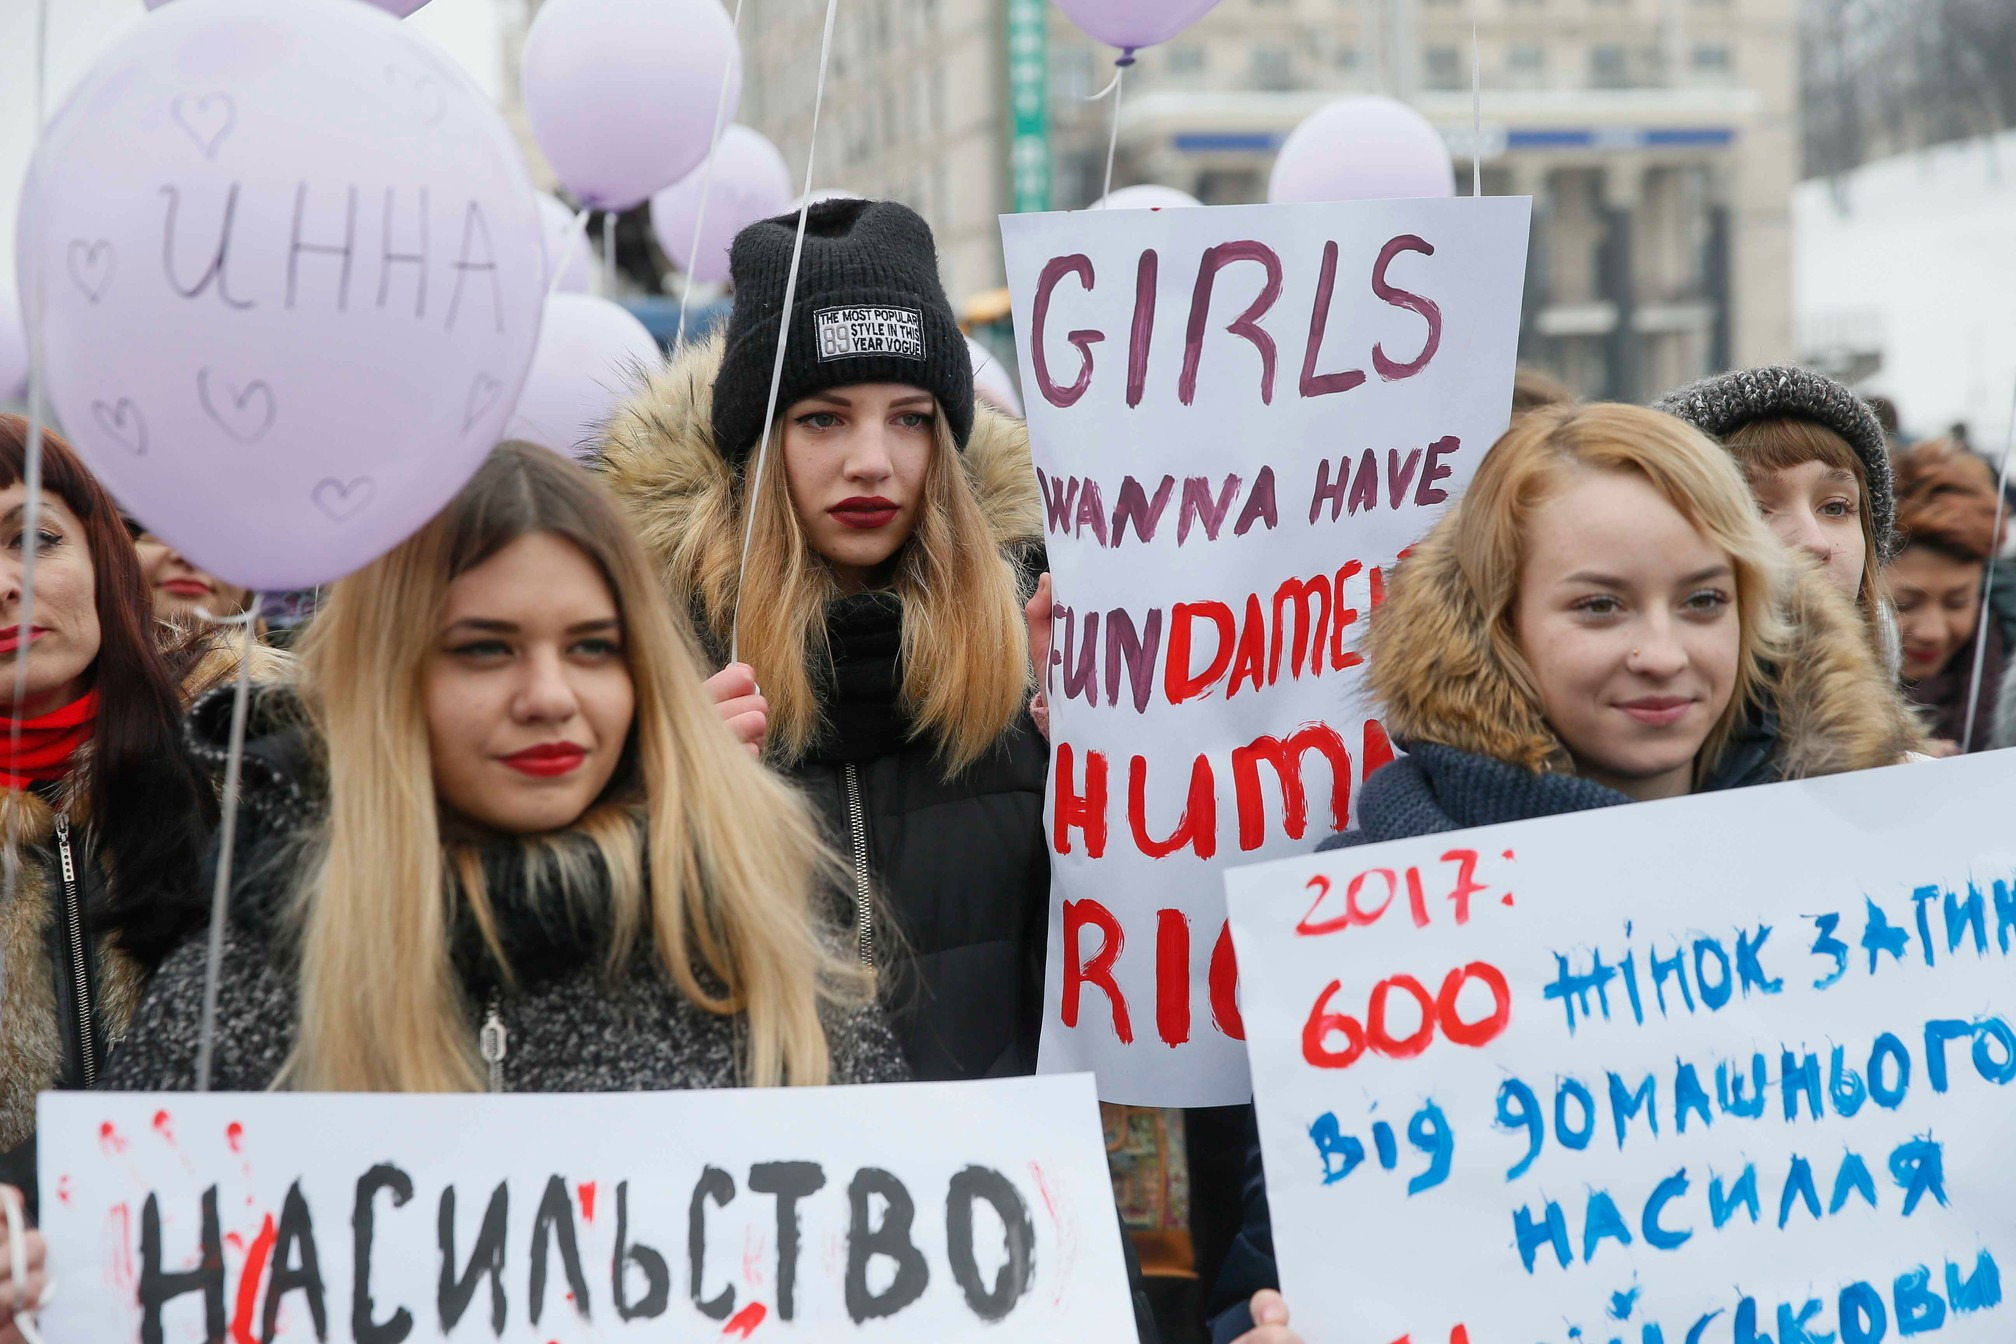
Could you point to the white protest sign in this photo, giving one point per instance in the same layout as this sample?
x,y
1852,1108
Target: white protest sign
x,y
918,1212
1239,417
1727,1069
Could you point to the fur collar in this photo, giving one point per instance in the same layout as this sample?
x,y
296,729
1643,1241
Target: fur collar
x,y
1434,670
657,453
549,894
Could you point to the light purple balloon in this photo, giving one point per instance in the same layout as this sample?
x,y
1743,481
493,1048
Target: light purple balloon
x,y
566,247
1135,23
291,281
13,347
1147,197
991,381
622,94
1367,148
591,354
398,9
751,182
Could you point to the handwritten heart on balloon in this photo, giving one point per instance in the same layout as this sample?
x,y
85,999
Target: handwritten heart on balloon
x,y
122,422
208,118
243,413
421,94
90,265
343,500
335,268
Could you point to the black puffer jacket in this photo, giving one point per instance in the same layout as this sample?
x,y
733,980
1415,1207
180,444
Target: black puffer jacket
x,y
569,1027
959,864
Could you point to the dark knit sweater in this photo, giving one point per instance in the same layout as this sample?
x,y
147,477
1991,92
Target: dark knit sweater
x,y
571,1027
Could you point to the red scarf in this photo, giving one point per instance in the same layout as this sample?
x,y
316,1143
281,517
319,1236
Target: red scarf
x,y
45,745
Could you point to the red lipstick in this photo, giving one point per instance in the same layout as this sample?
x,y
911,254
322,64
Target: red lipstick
x,y
548,760
186,587
866,512
10,638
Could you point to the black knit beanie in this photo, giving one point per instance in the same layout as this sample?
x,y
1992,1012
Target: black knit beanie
x,y
869,309
1723,404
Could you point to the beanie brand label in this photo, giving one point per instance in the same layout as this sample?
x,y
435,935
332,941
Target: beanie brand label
x,y
857,333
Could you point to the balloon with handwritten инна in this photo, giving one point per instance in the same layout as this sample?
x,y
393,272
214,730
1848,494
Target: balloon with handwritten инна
x,y
291,277
750,182
591,353
1133,24
1366,148
623,94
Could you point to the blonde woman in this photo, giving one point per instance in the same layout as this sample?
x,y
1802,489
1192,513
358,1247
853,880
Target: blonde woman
x,y
501,796
881,611
1603,619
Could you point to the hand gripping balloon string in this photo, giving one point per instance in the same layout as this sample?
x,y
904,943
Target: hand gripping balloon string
x,y
227,833
1114,88
755,491
576,231
17,1265
1988,591
707,171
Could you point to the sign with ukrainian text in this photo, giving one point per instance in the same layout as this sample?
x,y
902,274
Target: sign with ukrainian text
x,y
1239,417
1728,1069
911,1214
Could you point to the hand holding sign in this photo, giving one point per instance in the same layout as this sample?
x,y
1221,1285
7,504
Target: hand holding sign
x,y
285,307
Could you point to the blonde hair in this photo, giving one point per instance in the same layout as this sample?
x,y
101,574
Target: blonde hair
x,y
1467,574
965,645
1780,442
724,881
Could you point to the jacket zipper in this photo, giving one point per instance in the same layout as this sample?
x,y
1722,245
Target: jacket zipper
x,y
493,1041
74,915
857,827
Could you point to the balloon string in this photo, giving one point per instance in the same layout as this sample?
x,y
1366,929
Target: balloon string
x,y
31,472
1476,115
707,170
1113,142
577,229
227,834
1988,591
609,254
755,492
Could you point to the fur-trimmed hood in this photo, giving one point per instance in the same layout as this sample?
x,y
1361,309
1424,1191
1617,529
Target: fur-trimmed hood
x,y
1830,706
657,453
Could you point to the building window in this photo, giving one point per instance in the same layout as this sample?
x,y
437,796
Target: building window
x,y
1609,67
1273,69
1186,58
1445,68
1711,62
1526,65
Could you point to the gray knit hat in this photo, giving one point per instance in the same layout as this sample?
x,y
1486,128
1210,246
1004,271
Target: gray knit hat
x,y
1721,405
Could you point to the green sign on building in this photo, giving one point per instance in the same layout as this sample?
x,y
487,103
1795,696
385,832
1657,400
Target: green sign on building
x,y
1028,104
